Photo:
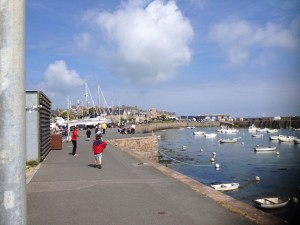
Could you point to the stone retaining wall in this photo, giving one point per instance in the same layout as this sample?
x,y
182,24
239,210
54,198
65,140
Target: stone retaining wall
x,y
147,128
144,147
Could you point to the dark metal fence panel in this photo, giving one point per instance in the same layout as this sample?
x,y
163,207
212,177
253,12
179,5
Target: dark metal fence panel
x,y
44,125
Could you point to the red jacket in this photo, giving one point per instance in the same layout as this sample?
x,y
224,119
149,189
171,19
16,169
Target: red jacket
x,y
75,135
99,146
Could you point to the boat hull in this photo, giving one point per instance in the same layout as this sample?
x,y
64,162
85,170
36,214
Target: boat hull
x,y
264,149
223,141
271,203
225,187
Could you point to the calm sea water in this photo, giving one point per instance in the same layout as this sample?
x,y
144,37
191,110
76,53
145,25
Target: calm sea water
x,y
279,171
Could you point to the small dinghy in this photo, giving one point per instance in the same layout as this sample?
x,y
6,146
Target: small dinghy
x,y
211,135
271,203
232,140
260,149
225,187
198,133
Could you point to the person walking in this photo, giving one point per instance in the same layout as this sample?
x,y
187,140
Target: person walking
x,y
98,147
88,134
132,129
74,141
103,126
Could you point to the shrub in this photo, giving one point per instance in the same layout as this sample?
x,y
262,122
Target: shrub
x,y
32,163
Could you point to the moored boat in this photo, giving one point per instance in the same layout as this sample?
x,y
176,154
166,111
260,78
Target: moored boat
x,y
225,187
272,130
258,148
286,138
271,203
231,131
210,135
252,128
198,133
231,140
262,130
272,138
297,141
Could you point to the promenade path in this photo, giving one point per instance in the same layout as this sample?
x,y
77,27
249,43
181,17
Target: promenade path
x,y
126,191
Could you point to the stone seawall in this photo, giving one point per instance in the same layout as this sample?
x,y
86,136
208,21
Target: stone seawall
x,y
147,128
144,147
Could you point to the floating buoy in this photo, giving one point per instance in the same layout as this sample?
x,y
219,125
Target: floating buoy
x,y
294,200
242,143
217,165
257,178
184,147
214,154
212,159
277,153
201,150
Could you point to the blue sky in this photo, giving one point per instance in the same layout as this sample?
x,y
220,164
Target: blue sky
x,y
191,57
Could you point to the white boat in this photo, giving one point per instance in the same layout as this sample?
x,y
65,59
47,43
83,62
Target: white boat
x,y
272,138
297,141
231,140
191,127
286,139
262,130
198,133
225,187
210,135
271,203
259,149
272,130
252,128
257,135
231,131
221,130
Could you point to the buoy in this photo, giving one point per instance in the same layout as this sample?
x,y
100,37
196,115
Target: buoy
x,y
201,150
294,200
257,178
217,165
212,159
184,147
242,143
214,154
277,153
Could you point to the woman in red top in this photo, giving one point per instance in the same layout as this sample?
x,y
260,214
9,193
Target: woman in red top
x,y
98,147
74,140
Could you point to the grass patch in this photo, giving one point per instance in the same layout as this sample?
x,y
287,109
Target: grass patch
x,y
32,163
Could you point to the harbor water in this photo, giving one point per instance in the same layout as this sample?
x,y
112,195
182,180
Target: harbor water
x,y
278,171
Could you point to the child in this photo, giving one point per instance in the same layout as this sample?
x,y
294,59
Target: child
x,y
98,146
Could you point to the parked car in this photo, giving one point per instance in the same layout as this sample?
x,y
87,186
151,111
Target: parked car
x,y
81,126
63,130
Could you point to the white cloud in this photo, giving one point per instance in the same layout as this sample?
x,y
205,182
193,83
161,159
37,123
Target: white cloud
x,y
149,42
60,81
83,40
239,37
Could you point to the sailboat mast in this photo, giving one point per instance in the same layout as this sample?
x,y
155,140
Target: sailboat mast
x,y
86,99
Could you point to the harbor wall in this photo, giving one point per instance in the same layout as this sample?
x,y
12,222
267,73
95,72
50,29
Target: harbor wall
x,y
284,123
149,127
144,147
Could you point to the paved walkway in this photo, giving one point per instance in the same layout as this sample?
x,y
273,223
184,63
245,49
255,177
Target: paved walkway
x,y
126,191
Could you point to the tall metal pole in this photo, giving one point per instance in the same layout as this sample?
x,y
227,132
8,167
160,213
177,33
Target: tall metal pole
x,y
12,112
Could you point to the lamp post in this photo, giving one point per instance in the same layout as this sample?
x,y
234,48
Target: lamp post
x,y
12,111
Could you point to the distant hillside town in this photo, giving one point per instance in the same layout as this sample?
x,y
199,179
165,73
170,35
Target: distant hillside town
x,y
132,114
115,113
137,115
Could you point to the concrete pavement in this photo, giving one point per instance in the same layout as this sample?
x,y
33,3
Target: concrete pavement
x,y
126,191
